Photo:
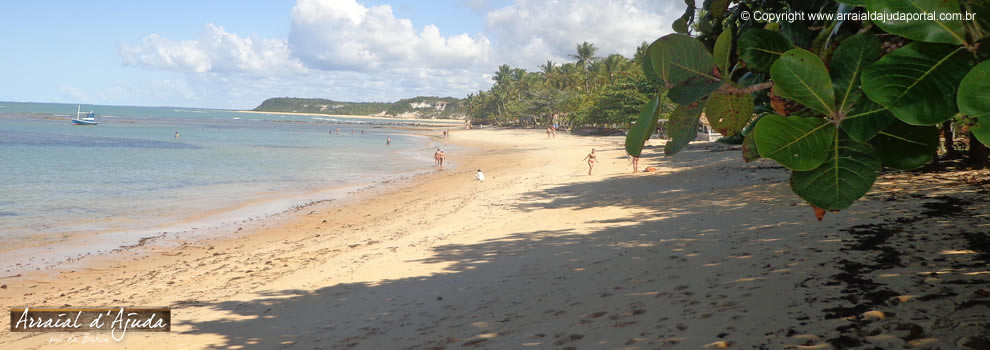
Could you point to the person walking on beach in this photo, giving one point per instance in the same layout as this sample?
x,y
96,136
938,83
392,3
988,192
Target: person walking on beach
x,y
442,156
388,141
436,158
480,176
591,160
635,162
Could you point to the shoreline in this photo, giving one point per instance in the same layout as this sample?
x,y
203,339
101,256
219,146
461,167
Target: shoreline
x,y
76,246
705,252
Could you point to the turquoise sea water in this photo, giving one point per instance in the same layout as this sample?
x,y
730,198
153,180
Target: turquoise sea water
x,y
131,173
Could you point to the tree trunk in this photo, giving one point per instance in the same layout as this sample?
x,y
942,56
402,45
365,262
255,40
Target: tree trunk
x,y
498,110
978,155
950,151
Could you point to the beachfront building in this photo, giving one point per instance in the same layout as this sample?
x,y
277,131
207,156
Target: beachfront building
x,y
705,131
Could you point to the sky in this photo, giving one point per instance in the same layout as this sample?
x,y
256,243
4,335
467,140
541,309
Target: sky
x,y
235,54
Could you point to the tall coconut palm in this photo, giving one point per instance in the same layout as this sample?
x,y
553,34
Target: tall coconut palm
x,y
548,67
569,75
585,54
548,71
611,65
502,75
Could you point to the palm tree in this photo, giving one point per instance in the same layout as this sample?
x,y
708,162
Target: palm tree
x,y
585,54
548,70
641,52
568,75
502,75
548,67
503,89
613,64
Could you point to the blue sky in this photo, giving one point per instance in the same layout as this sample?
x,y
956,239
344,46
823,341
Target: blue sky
x,y
233,54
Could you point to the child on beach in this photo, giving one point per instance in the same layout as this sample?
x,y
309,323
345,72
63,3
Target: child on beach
x,y
480,176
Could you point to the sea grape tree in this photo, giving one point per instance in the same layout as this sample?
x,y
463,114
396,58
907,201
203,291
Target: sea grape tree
x,y
847,89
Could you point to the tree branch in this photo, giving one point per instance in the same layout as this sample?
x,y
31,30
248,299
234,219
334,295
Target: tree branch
x,y
730,89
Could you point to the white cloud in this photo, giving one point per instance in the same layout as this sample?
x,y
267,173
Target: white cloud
x,y
345,35
215,51
162,53
341,49
537,30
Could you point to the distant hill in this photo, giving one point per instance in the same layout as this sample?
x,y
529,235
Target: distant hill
x,y
422,107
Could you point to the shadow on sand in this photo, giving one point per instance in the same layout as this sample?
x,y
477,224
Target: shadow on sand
x,y
674,273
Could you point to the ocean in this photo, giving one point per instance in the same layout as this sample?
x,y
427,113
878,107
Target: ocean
x,y
131,176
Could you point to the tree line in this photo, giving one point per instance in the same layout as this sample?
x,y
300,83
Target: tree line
x,y
591,90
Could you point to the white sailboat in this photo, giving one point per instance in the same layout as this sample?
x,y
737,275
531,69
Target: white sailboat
x,y
89,119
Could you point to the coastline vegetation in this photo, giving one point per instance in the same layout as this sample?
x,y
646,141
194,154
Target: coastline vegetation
x,y
591,90
417,107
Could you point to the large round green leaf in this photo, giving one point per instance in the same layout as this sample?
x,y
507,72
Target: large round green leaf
x,y
847,174
683,127
641,131
729,113
982,131
760,48
974,92
848,61
974,100
798,143
800,75
981,20
723,52
905,146
866,119
678,57
921,20
647,65
918,82
693,89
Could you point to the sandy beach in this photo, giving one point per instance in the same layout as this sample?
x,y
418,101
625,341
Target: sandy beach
x,y
704,252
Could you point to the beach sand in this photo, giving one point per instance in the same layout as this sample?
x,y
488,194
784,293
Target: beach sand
x,y
706,252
